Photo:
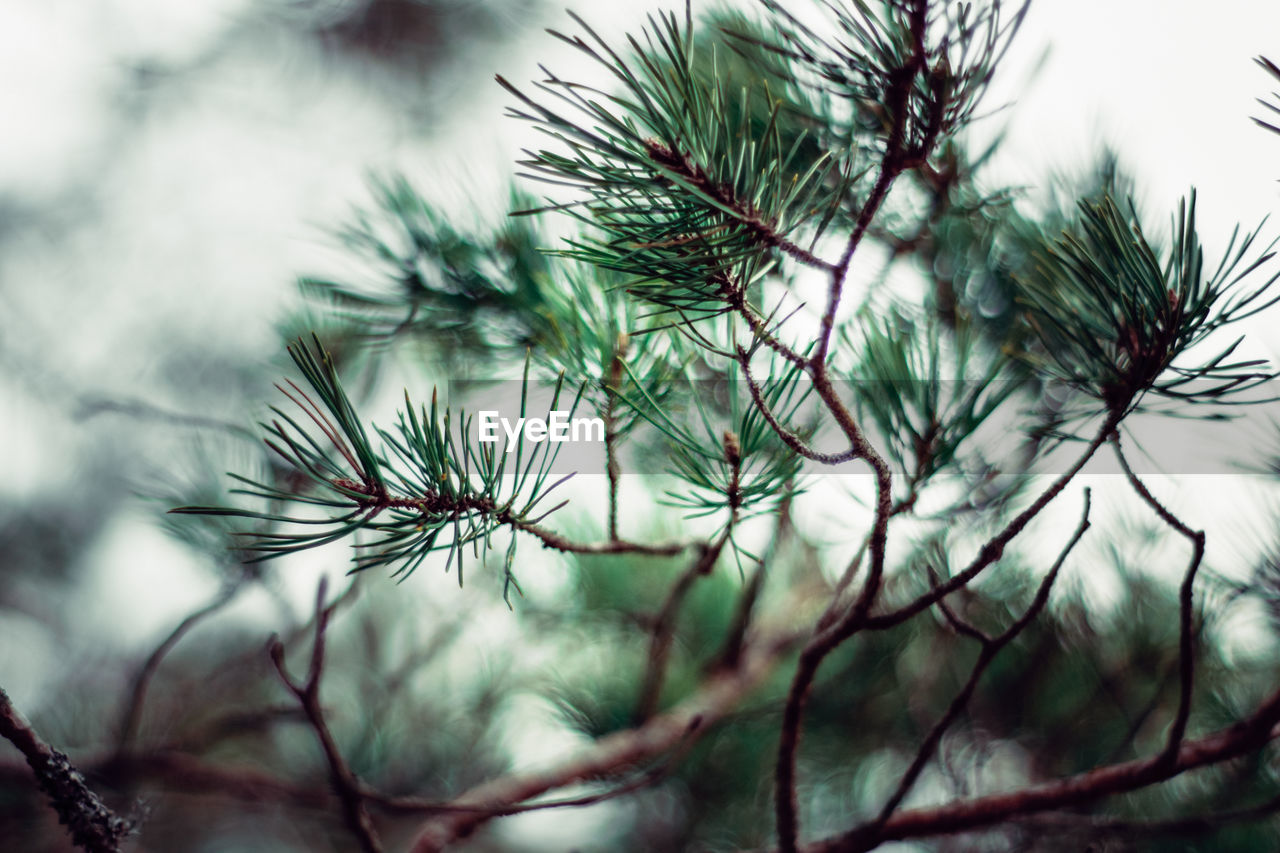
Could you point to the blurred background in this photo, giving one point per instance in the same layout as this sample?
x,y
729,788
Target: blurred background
x,y
169,170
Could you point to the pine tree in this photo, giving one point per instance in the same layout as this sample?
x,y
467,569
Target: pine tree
x,y
680,268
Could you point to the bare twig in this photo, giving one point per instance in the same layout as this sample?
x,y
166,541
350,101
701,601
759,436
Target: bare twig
x,y
132,715
344,781
1240,739
1186,601
664,627
410,805
991,647
1199,824
93,827
720,694
789,438
993,550
858,617
838,606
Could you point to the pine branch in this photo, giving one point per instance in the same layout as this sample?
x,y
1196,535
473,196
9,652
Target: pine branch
x,y
345,783
718,696
93,827
1186,598
1243,738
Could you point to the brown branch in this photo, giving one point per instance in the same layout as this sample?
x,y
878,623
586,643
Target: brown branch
x,y
836,607
664,628
789,438
374,499
93,827
762,333
132,715
826,640
993,550
553,540
1240,739
1186,603
411,805
991,647
892,164
858,617
721,693
179,772
344,781
833,611
1196,825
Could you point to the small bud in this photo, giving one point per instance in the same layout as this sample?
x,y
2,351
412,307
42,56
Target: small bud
x,y
732,448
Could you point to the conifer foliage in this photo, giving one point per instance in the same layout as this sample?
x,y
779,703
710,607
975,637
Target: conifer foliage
x,y
704,174
680,264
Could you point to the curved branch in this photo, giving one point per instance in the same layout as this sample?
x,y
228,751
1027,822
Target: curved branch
x,y
664,626
963,815
991,647
93,827
827,640
132,715
721,694
1186,603
993,550
345,783
789,438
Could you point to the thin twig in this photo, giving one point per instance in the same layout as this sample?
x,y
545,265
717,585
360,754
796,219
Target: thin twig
x,y
837,606
664,628
1195,825
789,438
345,783
1244,737
1186,602
993,550
858,617
553,540
991,647
719,695
132,715
410,805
